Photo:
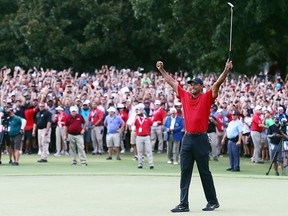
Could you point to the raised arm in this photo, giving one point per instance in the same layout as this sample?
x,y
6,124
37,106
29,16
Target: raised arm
x,y
221,78
173,83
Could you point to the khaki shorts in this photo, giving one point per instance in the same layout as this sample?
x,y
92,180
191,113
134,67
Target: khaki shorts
x,y
113,140
133,137
15,142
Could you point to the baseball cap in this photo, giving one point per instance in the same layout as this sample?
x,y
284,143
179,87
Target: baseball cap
x,y
234,112
280,108
196,80
284,119
219,110
59,108
157,102
173,110
111,109
73,109
178,103
86,102
140,106
276,117
258,107
120,106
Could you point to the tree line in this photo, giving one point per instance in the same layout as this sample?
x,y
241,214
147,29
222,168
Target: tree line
x,y
186,35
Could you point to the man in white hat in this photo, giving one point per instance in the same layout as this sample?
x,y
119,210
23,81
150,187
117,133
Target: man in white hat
x,y
158,118
60,119
221,123
256,128
124,116
173,126
143,142
73,132
281,113
113,122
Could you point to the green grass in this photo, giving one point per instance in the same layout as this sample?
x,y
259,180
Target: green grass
x,y
98,165
111,188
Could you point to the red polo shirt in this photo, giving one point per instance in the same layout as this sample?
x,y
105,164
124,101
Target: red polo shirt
x,y
143,125
29,116
74,124
60,119
256,120
159,115
124,116
196,110
220,123
95,115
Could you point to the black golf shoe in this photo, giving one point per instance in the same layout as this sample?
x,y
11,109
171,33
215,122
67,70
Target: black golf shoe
x,y
180,208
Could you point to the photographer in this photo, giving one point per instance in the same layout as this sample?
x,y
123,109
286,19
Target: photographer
x,y
275,133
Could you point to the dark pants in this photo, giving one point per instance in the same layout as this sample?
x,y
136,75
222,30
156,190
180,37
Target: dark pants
x,y
196,148
234,155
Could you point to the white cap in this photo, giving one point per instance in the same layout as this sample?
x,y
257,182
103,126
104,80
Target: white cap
x,y
59,108
280,108
9,100
264,109
120,106
73,108
140,106
284,119
219,110
111,109
173,110
258,107
178,103
157,102
87,102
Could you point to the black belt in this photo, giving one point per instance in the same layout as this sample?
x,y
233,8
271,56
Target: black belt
x,y
234,139
144,135
195,134
74,134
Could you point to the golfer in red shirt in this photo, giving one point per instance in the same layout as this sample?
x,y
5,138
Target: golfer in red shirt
x,y
195,144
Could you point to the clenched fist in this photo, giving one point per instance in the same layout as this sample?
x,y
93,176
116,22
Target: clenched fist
x,y
159,65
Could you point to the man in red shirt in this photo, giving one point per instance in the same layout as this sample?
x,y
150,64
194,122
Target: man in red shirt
x,y
158,118
96,117
73,132
256,129
195,144
60,119
29,116
221,122
143,124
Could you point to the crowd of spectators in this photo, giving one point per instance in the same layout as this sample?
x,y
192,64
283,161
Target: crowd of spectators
x,y
108,87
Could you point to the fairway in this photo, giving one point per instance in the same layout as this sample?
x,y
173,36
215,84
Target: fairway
x,y
119,188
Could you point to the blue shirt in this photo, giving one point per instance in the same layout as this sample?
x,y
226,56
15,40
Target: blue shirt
x,y
113,123
85,114
234,129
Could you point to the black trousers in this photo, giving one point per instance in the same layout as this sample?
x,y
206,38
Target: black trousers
x,y
196,148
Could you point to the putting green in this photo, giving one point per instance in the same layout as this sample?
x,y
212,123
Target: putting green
x,y
119,188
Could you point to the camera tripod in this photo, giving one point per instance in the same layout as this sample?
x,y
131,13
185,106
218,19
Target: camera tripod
x,y
282,148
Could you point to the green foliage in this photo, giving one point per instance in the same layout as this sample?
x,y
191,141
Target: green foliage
x,y
192,35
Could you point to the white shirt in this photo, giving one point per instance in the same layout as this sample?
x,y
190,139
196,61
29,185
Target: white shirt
x,y
173,120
